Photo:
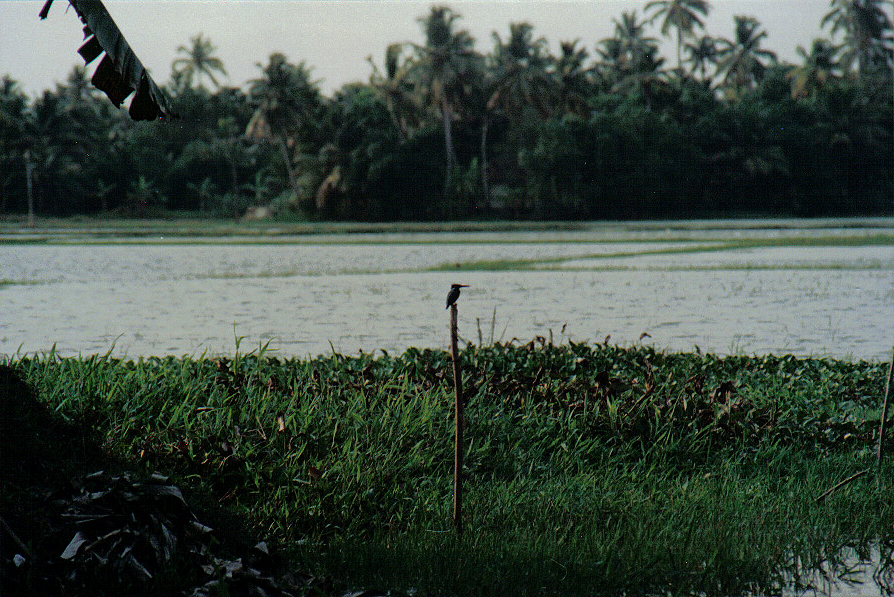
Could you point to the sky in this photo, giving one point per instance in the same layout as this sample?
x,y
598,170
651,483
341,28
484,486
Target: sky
x,y
335,37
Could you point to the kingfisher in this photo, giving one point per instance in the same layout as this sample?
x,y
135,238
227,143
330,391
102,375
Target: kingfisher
x,y
453,295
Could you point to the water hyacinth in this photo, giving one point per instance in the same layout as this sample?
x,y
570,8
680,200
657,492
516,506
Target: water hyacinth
x,y
589,469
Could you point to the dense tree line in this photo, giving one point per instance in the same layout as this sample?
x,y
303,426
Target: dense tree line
x,y
441,131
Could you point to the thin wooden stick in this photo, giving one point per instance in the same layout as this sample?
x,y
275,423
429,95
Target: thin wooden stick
x,y
840,484
884,420
458,437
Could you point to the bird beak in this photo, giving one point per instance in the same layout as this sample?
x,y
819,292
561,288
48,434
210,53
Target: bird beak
x,y
462,285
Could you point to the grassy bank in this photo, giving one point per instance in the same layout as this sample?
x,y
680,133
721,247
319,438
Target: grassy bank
x,y
110,228
590,470
113,229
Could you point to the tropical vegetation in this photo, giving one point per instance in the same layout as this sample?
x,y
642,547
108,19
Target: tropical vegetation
x,y
604,129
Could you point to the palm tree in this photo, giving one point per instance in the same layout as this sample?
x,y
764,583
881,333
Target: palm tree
x,y
397,88
574,78
682,15
742,61
77,84
120,72
448,66
867,33
630,33
608,63
631,59
629,51
69,140
198,60
520,80
819,66
646,78
521,73
701,53
288,105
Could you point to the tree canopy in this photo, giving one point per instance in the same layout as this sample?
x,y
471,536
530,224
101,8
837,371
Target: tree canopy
x,y
441,130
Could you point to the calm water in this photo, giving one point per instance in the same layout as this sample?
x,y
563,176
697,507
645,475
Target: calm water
x,y
306,295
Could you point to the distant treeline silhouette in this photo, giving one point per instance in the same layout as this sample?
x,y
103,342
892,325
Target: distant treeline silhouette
x,y
442,131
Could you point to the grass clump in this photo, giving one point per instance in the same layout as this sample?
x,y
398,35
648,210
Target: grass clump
x,y
590,470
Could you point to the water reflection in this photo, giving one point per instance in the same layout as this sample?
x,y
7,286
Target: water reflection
x,y
855,571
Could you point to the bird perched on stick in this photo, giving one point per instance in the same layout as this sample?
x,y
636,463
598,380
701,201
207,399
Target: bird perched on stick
x,y
453,295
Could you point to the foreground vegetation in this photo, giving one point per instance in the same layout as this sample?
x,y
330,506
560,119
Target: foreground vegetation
x,y
446,129
590,470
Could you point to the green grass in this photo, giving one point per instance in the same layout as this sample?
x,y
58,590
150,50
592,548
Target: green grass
x,y
205,230
8,282
142,230
589,470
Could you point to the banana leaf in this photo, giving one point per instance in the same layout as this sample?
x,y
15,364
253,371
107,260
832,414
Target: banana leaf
x,y
120,73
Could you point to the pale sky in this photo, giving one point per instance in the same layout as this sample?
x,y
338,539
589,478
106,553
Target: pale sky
x,y
335,36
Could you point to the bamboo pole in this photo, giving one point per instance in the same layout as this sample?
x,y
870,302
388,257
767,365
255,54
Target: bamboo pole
x,y
841,484
458,436
884,418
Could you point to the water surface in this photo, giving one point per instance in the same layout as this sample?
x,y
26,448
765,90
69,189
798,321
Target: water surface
x,y
310,294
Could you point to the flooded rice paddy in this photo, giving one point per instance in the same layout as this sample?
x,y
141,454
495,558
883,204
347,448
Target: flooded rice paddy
x,y
724,287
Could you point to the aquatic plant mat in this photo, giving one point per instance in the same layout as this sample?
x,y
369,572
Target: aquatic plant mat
x,y
589,470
